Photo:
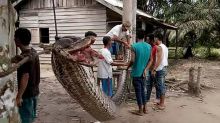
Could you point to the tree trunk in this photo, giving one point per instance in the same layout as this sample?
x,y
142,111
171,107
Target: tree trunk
x,y
8,110
188,53
194,86
134,20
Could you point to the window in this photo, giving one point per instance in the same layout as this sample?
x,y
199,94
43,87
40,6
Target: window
x,y
44,35
35,38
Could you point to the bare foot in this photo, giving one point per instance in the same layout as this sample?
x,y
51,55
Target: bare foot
x,y
139,113
145,111
160,107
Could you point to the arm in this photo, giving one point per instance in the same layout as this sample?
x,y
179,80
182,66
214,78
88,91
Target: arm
x,y
23,85
96,54
16,58
118,64
149,64
118,60
159,58
132,58
117,39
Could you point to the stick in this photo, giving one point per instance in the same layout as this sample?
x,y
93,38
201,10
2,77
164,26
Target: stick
x,y
183,89
170,81
206,86
16,66
179,84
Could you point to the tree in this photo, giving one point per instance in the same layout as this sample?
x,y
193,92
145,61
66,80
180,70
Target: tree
x,y
199,18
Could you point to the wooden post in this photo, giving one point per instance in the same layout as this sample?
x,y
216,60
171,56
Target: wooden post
x,y
127,10
194,86
134,21
176,44
191,80
129,14
164,37
8,88
197,89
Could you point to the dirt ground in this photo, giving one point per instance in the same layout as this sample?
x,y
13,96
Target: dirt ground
x,y
56,106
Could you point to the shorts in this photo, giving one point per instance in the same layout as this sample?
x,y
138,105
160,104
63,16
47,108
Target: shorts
x,y
160,81
27,110
107,86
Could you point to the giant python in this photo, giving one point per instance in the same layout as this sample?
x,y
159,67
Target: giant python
x,y
79,81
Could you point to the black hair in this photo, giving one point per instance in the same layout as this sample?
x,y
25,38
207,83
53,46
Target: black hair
x,y
140,34
151,37
24,36
106,40
90,33
158,35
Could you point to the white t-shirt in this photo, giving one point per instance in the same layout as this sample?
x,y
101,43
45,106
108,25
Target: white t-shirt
x,y
117,30
164,61
104,65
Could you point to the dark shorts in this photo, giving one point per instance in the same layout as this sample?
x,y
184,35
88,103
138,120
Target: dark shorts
x,y
107,86
28,109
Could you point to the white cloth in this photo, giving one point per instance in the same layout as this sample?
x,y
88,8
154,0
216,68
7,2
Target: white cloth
x,y
164,61
117,31
104,65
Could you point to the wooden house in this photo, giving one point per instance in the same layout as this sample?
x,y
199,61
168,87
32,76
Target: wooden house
x,y
74,17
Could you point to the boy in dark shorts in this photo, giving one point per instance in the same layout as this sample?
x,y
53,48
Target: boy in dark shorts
x,y
28,77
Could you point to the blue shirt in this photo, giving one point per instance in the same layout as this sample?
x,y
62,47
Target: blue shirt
x,y
142,52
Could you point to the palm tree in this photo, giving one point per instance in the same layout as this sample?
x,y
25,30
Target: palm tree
x,y
199,19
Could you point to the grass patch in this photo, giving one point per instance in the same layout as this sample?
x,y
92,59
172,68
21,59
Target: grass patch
x,y
199,52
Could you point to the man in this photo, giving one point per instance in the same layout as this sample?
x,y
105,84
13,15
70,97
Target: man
x,y
89,50
93,36
150,78
160,68
140,62
120,34
28,77
86,55
104,72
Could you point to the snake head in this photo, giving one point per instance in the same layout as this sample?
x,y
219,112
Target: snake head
x,y
77,50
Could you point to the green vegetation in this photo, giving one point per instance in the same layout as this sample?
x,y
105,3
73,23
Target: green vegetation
x,y
197,21
200,52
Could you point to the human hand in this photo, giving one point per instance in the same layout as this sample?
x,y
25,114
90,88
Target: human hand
x,y
154,73
18,101
145,74
100,57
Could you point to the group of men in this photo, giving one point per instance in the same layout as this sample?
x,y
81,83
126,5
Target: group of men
x,y
148,62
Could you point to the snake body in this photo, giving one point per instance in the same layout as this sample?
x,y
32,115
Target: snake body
x,y
80,83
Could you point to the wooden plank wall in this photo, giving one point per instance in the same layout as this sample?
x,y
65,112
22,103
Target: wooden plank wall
x,y
70,21
37,4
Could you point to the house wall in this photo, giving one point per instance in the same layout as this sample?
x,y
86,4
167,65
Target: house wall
x,y
73,18
8,84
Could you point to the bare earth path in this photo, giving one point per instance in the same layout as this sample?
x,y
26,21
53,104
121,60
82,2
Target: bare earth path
x,y
56,106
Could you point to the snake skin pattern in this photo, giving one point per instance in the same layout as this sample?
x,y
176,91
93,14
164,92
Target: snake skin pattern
x,y
80,83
